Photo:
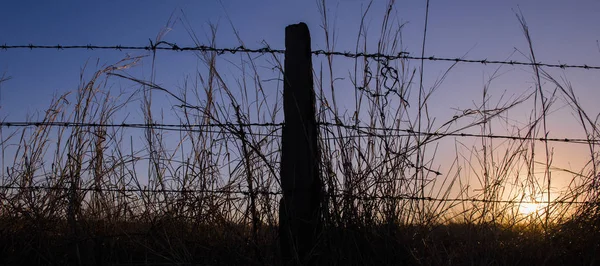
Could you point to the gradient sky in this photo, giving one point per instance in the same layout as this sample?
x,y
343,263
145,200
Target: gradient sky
x,y
562,32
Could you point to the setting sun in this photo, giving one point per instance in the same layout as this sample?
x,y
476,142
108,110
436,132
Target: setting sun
x,y
530,208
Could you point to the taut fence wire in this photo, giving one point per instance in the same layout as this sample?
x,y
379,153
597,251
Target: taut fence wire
x,y
131,125
275,193
143,190
365,131
166,46
411,132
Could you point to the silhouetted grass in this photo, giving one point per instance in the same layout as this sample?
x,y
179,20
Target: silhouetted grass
x,y
197,196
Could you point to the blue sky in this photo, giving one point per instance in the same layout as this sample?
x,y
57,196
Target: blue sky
x,y
562,32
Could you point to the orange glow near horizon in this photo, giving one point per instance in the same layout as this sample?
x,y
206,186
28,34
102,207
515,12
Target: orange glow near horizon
x,y
527,209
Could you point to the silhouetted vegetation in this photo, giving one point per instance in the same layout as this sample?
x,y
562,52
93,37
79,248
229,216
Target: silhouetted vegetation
x,y
209,195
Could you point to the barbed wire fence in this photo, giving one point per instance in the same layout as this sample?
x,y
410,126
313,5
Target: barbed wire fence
x,y
225,127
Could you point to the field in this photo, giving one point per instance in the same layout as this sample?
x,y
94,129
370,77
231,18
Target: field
x,y
196,180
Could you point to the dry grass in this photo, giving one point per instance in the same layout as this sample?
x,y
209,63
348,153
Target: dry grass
x,y
198,195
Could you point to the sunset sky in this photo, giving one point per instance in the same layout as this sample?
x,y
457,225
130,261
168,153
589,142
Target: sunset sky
x,y
562,32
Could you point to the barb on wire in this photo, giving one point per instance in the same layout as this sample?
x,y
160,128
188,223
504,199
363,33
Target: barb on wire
x,y
166,46
411,132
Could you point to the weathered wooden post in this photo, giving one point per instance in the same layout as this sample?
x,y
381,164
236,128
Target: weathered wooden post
x,y
299,216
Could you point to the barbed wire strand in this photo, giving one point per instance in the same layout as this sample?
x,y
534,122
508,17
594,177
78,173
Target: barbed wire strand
x,y
134,125
190,127
141,190
441,134
274,193
166,46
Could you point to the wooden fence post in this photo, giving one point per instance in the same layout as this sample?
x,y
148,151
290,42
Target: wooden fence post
x,y
299,216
